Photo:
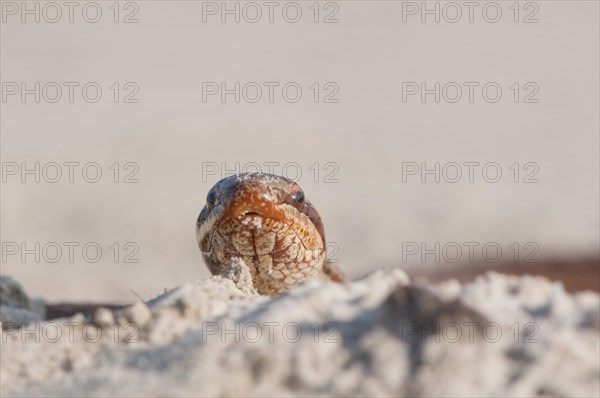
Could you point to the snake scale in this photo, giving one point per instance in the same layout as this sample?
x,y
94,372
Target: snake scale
x,y
266,221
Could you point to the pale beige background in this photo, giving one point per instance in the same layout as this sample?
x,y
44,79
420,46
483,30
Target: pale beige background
x,y
369,133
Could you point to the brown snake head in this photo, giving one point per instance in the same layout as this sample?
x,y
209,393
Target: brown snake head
x,y
265,220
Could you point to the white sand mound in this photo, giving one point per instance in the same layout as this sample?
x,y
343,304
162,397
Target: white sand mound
x,y
15,305
381,335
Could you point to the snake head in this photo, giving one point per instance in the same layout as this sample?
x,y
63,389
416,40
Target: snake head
x,y
267,221
266,195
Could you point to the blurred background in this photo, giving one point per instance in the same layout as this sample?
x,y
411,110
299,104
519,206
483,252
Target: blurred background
x,y
359,139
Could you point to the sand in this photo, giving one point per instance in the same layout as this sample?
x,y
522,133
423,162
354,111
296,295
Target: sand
x,y
381,335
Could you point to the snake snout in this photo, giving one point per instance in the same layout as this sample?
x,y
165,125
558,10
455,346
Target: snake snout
x,y
249,199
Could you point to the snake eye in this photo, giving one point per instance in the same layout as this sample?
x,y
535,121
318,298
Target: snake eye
x,y
299,196
210,198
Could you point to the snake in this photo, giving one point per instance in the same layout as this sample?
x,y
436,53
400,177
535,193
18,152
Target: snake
x,y
266,221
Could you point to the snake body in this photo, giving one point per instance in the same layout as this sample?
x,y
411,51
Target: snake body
x,y
265,220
